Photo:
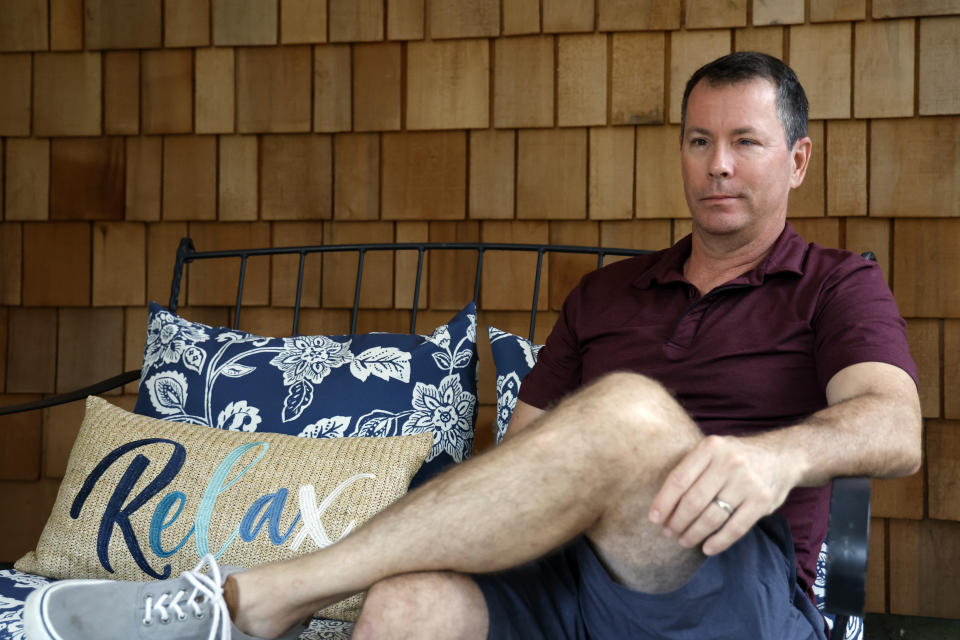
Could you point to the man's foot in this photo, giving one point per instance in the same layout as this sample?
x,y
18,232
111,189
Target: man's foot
x,y
190,607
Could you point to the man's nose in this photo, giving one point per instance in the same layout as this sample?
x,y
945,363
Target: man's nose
x,y
721,165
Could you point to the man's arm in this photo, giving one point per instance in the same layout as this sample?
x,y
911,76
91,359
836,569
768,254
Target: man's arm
x,y
523,416
871,427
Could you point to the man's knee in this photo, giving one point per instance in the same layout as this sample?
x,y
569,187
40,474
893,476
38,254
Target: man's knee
x,y
631,404
434,604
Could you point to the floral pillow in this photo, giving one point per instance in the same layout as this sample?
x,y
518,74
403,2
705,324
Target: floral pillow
x,y
375,384
513,357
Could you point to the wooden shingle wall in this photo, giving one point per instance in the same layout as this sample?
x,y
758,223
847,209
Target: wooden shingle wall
x,y
126,125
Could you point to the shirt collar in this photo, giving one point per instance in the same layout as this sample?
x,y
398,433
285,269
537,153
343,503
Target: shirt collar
x,y
787,256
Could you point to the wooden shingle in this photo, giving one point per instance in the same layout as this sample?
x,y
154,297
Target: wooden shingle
x,y
356,168
24,25
296,176
273,89
303,21
189,177
238,184
331,88
552,174
883,69
167,90
464,18
66,94
214,95
119,24
912,181
244,22
448,84
566,16
424,175
581,80
66,25
636,92
121,93
27,179
186,23
523,82
821,56
492,173
377,71
119,264
86,178
939,70
706,14
611,172
144,166
355,20
15,72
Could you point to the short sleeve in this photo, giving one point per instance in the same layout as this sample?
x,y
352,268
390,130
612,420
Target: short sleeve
x,y
857,321
559,365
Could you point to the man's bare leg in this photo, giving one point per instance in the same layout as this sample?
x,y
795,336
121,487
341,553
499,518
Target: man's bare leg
x,y
593,465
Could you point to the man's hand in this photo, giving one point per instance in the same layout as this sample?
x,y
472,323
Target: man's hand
x,y
721,472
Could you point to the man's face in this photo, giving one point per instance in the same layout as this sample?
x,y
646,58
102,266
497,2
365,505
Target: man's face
x,y
737,169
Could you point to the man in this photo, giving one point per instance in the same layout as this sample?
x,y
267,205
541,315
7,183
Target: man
x,y
682,398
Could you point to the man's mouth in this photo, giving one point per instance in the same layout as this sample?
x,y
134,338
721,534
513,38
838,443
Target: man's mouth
x,y
720,197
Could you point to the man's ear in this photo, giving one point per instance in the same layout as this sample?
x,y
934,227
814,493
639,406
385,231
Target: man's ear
x,y
800,154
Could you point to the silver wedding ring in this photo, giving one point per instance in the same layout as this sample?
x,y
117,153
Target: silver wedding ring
x,y
726,506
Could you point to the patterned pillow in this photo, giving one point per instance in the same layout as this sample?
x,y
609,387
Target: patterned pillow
x,y
513,357
375,384
143,498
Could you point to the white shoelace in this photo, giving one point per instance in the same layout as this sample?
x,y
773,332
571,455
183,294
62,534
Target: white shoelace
x,y
206,587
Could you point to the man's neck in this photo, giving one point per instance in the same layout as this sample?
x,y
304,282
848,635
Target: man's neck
x,y
715,261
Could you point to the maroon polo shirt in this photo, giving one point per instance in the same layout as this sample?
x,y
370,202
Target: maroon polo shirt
x,y
753,354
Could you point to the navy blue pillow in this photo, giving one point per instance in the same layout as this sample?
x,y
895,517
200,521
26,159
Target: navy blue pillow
x,y
375,384
513,357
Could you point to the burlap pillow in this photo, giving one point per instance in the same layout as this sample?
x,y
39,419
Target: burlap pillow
x,y
144,498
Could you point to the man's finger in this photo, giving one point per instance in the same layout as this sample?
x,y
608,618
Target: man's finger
x,y
733,529
710,520
676,484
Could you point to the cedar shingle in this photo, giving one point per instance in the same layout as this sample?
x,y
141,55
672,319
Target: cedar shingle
x,y
121,89
244,22
119,264
86,178
66,94
144,166
448,84
296,177
523,82
189,177
120,24
238,185
303,21
883,69
273,89
424,175
167,90
377,91
27,182
15,106
582,80
552,174
61,282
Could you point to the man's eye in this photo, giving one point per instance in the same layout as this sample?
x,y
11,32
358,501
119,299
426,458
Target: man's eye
x,y
748,143
698,142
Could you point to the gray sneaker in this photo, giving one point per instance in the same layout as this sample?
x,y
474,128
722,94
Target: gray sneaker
x,y
190,607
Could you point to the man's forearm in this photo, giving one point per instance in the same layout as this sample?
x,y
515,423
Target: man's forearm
x,y
871,434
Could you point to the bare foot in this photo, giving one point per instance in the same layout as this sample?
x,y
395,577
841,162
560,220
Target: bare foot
x,y
271,600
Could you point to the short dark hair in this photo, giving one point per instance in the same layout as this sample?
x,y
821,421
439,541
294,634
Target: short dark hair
x,y
792,107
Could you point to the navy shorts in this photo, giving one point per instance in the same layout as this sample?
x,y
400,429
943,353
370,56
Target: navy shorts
x,y
748,591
